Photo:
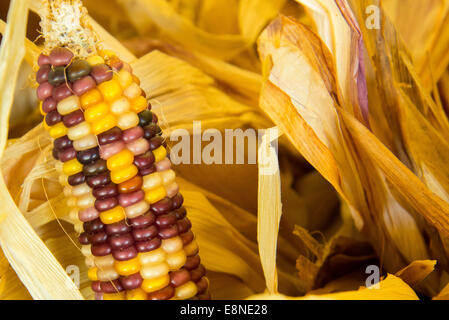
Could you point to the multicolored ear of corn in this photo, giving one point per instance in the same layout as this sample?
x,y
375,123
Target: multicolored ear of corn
x,y
118,179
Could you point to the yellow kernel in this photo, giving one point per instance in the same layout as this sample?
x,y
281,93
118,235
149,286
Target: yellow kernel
x,y
96,112
63,180
154,271
86,201
151,285
172,245
124,174
136,294
80,190
85,143
113,215
106,54
125,78
114,296
138,104
133,91
79,131
78,226
110,90
176,260
105,261
137,209
120,106
191,248
159,154
68,105
155,195
86,250
128,267
92,274
120,160
152,181
107,274
128,120
91,98
104,124
152,257
58,130
71,201
71,167
168,176
186,291
94,60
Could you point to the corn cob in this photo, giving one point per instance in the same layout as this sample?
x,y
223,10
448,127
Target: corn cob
x,y
118,180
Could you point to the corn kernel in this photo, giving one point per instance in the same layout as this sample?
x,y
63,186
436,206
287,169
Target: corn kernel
x,y
96,112
168,176
72,166
105,261
128,267
86,201
133,91
136,294
128,120
94,60
107,274
113,215
91,98
110,90
114,296
159,154
85,250
104,124
68,105
79,131
88,142
120,106
92,274
172,245
155,195
151,285
152,257
186,291
138,104
78,226
191,249
58,130
120,160
154,271
137,209
124,174
125,78
152,181
176,260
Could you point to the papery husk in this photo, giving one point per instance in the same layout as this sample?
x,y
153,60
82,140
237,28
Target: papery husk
x,y
269,207
331,139
27,254
428,40
252,17
390,288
